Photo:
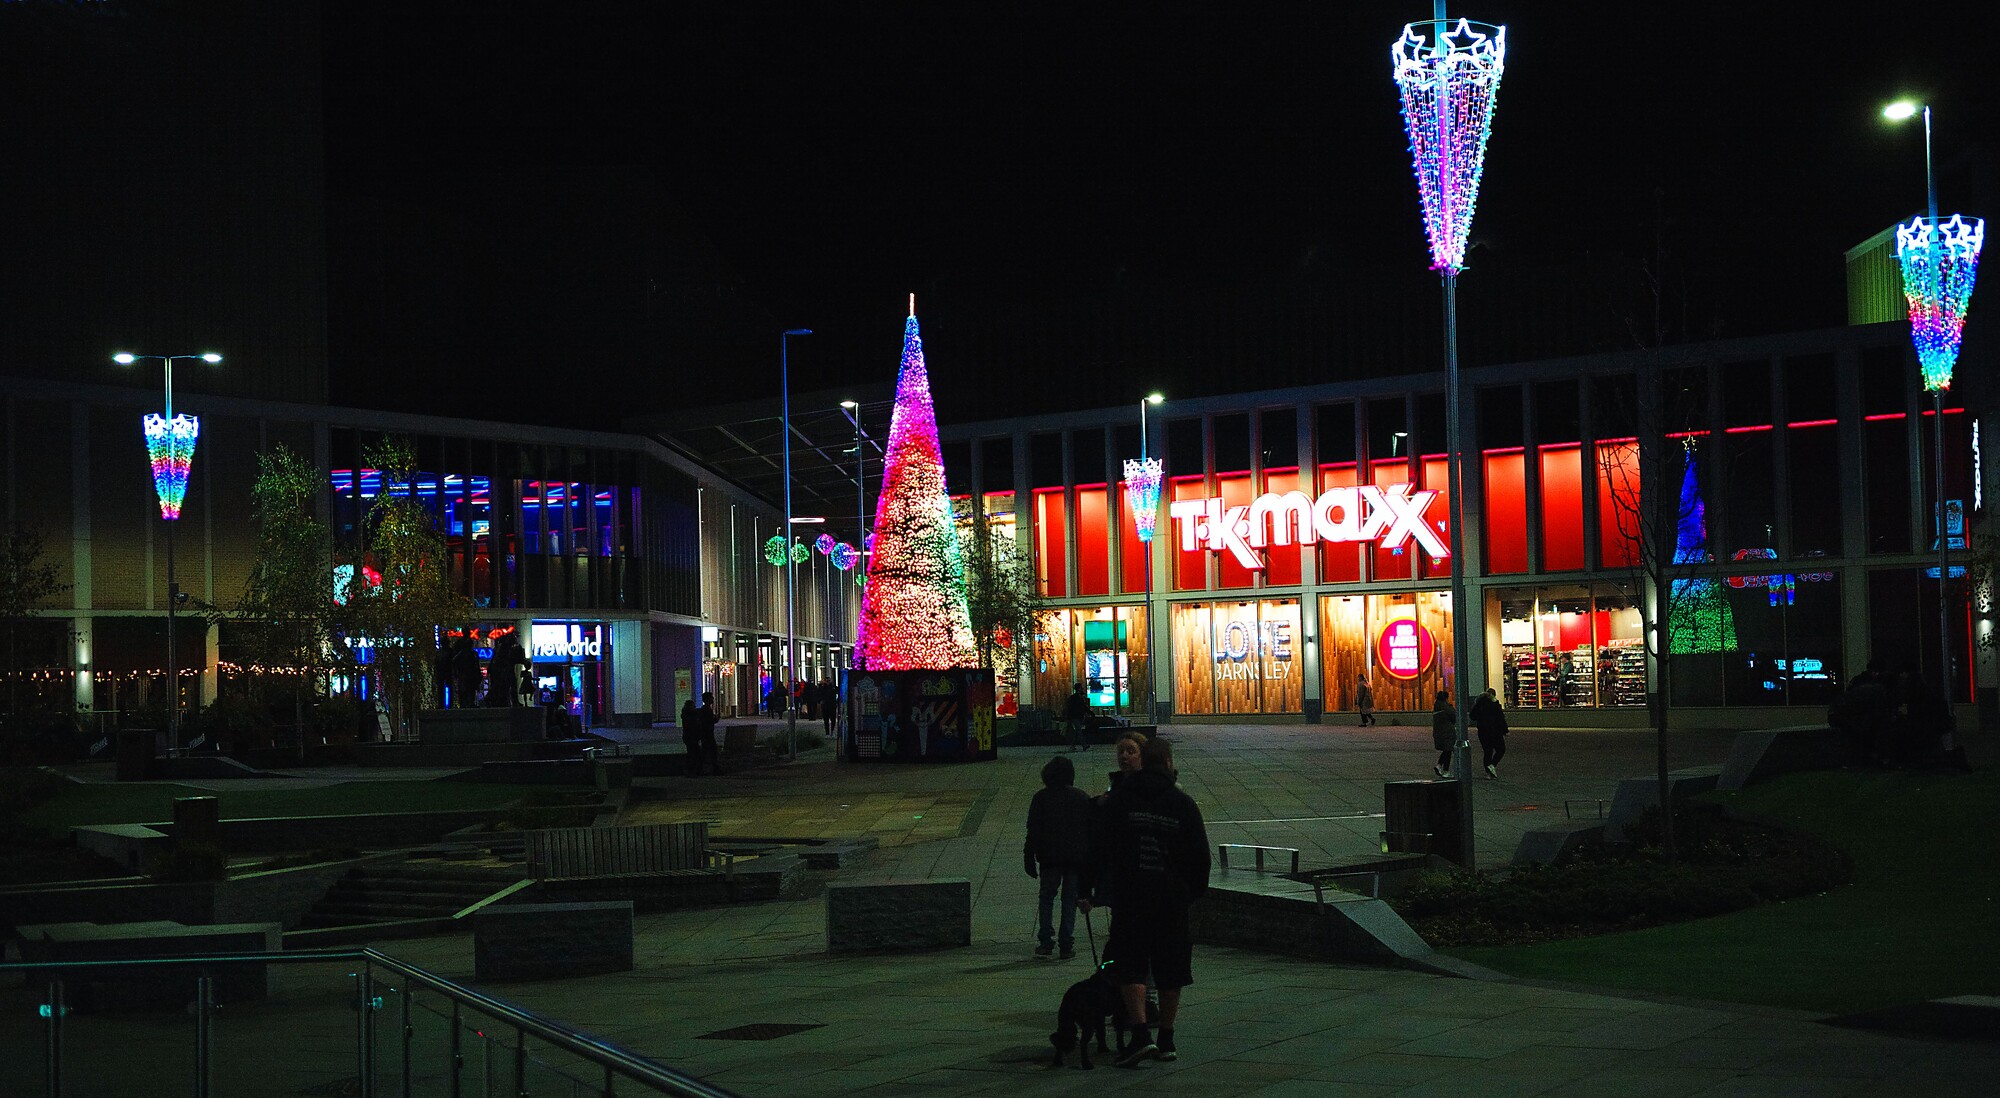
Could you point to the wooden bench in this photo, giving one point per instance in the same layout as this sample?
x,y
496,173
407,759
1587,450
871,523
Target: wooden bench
x,y
572,853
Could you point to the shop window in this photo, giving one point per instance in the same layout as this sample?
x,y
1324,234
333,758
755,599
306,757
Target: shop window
x,y
1051,542
1500,423
1570,647
1957,474
1282,561
1093,540
1045,459
1238,657
1190,565
1886,461
1506,511
1746,490
1562,506
1086,456
1886,376
1437,515
1053,670
996,466
1106,670
1620,532
1813,457
1357,630
1746,394
1786,631
1339,561
1278,439
1391,563
957,458
1193,660
1812,389
1237,490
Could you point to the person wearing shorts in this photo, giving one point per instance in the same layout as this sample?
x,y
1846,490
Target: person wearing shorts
x,y
1151,859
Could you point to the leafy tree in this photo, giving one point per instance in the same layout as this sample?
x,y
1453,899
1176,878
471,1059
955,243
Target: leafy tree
x,y
290,592
415,597
26,581
1003,600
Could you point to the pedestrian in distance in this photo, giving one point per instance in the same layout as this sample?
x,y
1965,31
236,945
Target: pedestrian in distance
x,y
1076,714
1057,847
1492,722
1151,848
690,740
829,705
1860,716
1364,700
1444,731
705,721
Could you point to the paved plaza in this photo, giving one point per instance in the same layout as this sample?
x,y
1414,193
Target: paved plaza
x,y
976,1020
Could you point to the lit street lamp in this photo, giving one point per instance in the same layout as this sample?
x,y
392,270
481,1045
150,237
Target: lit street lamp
x,y
1939,260
170,443
1142,498
1448,75
791,564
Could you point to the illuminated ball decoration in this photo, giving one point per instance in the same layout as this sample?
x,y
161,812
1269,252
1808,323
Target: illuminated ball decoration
x,y
824,543
844,556
1448,79
1939,261
913,607
170,448
774,550
800,554
1142,494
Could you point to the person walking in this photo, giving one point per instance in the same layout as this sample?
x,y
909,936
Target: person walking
x,y
1492,722
829,706
1058,845
690,740
1076,714
1151,848
1444,730
1364,700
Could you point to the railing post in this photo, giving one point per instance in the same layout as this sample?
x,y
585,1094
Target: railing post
x,y
610,1083
56,1008
204,1034
457,1045
520,1063
364,1030
408,994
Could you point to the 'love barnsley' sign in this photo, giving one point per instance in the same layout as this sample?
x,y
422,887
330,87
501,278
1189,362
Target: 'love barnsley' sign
x,y
1390,514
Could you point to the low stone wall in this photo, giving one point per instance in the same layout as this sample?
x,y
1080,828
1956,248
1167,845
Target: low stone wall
x,y
920,915
499,724
283,896
1766,753
150,988
1251,910
1636,795
545,941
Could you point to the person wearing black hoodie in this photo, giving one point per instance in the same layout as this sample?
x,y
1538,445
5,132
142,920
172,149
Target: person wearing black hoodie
x,y
1059,845
1151,848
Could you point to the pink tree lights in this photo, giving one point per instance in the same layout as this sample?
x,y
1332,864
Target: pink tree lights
x,y
1939,261
1448,79
170,448
913,608
1448,75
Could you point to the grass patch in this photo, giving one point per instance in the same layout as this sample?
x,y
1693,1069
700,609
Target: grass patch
x,y
1918,921
74,804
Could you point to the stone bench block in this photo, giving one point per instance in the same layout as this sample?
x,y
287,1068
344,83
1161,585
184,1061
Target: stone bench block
x,y
1636,795
544,941
1557,843
922,915
1764,753
162,987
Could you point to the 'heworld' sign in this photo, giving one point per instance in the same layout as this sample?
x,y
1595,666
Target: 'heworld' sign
x,y
1390,514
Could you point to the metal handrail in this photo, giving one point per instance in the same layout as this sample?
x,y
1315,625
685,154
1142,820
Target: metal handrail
x,y
629,1065
1222,853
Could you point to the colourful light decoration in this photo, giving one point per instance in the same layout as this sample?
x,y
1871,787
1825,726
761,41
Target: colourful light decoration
x,y
1448,88
170,447
913,609
800,554
824,543
1700,618
1142,494
844,556
774,550
1939,261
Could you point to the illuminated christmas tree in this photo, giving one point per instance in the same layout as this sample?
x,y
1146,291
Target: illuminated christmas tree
x,y
913,611
1701,619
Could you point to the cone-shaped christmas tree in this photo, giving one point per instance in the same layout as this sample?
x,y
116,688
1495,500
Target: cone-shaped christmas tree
x,y
913,614
1702,621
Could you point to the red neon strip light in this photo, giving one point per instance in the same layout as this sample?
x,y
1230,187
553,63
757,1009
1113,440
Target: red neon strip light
x,y
1432,457
1171,480
1689,434
1883,415
1745,430
1617,441
1561,446
1286,469
1947,411
1814,423
1506,450
1082,487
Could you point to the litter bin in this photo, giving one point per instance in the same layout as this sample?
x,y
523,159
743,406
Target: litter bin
x,y
1421,817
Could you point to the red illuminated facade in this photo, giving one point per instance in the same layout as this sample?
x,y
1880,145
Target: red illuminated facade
x,y
1303,531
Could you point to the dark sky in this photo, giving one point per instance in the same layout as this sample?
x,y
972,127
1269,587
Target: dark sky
x,y
569,213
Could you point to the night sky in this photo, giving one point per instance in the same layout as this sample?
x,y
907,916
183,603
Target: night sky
x,y
572,213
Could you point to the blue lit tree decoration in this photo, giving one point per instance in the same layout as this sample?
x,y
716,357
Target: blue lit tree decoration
x,y
1701,620
1449,74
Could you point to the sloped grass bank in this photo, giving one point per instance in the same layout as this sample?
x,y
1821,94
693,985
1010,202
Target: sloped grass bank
x,y
1918,922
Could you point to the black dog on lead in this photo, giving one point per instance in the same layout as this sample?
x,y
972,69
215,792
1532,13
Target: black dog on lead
x,y
1086,1006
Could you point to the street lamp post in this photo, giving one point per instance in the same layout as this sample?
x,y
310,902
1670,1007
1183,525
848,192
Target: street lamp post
x,y
785,415
1939,260
1448,75
852,410
170,441
1152,470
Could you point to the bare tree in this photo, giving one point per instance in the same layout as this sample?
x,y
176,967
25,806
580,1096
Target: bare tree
x,y
26,581
1001,596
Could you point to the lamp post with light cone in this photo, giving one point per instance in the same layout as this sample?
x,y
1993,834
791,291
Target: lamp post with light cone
x,y
852,410
785,426
170,441
1142,498
1939,261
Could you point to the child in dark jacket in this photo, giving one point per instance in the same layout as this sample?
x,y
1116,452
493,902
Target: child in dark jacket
x,y
1059,821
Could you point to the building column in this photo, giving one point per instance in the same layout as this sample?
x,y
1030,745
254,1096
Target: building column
x,y
631,673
